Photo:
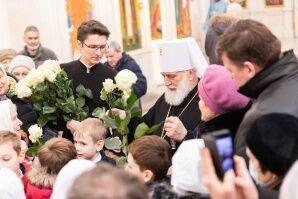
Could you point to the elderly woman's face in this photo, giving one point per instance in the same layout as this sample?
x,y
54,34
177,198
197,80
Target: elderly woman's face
x,y
3,83
20,72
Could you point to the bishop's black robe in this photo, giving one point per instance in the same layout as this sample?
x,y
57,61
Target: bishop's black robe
x,y
77,72
190,117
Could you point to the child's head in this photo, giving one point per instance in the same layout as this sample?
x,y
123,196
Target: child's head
x,y
89,138
10,151
149,158
106,181
56,153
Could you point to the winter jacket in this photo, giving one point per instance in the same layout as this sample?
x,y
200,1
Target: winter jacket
x,y
40,184
127,62
275,89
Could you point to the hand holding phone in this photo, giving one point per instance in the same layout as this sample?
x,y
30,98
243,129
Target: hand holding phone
x,y
220,145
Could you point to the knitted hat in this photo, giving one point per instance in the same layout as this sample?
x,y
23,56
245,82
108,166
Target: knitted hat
x,y
21,60
7,53
186,167
219,92
273,138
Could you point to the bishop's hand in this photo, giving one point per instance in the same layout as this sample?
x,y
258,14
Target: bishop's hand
x,y
174,128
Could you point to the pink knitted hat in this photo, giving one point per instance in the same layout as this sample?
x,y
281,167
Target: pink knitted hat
x,y
219,92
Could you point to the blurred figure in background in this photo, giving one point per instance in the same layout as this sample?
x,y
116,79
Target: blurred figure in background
x,y
119,60
20,66
6,55
33,47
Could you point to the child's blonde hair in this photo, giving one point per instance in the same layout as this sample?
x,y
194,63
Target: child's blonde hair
x,y
92,127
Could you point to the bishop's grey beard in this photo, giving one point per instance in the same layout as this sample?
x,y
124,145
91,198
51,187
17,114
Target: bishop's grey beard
x,y
176,97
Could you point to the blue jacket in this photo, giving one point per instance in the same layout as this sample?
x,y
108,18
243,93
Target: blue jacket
x,y
127,62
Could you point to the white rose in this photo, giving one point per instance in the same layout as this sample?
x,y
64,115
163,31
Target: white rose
x,y
35,133
22,90
50,65
109,85
50,75
34,77
125,79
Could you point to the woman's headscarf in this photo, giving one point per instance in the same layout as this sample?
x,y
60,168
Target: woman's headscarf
x,y
5,116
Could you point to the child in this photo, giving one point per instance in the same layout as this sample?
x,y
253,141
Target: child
x,y
149,158
51,157
89,140
10,151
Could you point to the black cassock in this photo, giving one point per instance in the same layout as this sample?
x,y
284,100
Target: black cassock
x,y
189,112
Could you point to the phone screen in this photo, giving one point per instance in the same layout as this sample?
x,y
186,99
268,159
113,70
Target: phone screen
x,y
224,147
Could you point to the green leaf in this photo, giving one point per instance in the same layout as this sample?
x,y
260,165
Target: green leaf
x,y
113,143
153,128
131,100
80,102
80,90
135,111
42,121
110,122
48,109
32,151
120,162
88,93
141,130
99,112
37,106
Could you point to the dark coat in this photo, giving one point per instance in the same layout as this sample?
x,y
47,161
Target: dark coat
x,y
211,40
77,72
127,62
191,116
230,121
42,55
275,89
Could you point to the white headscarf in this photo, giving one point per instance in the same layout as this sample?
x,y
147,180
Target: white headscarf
x,y
68,174
186,164
11,186
5,117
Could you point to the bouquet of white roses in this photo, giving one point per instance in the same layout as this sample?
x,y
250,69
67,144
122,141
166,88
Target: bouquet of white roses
x,y
35,135
120,96
50,91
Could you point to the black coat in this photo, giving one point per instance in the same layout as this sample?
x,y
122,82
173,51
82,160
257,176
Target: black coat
x,y
230,121
191,116
77,72
275,89
127,62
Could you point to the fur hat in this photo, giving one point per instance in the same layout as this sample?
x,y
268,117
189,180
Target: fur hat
x,y
219,92
21,60
7,53
273,138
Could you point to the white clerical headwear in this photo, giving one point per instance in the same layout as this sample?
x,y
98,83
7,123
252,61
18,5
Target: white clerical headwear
x,y
180,55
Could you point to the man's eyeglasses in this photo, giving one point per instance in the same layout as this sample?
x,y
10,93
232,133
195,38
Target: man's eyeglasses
x,y
102,48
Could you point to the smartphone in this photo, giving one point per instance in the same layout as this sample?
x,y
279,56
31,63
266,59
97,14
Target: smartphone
x,y
220,144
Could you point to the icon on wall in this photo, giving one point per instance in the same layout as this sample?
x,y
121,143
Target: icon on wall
x,y
130,24
155,17
77,12
182,12
273,3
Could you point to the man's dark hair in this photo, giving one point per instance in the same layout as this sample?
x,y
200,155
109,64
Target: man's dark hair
x,y
31,28
249,40
91,27
105,181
